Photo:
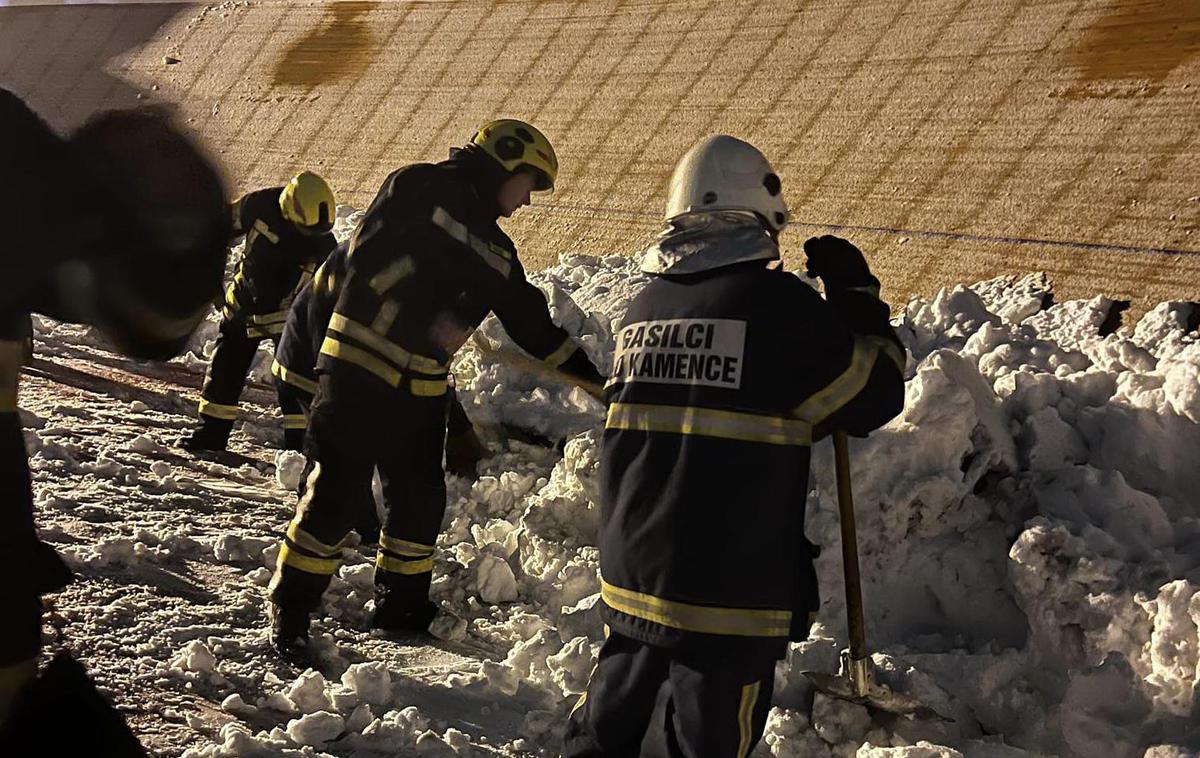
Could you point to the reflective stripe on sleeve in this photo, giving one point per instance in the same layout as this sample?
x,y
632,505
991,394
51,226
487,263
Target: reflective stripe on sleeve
x,y
296,559
399,356
707,422
492,254
286,375
294,421
394,273
217,410
427,387
402,566
261,227
386,317
822,404
564,351
740,622
891,350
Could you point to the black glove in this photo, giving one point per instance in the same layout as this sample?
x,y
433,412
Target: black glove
x,y
837,263
580,367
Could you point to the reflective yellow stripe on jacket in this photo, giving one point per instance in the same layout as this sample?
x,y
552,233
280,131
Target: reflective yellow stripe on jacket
x,y
741,622
492,254
385,359
825,402
402,358
708,422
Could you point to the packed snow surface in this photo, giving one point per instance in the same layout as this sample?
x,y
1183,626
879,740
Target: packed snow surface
x,y
1029,536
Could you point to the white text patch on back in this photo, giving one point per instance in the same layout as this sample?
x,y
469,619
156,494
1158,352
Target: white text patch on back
x,y
681,351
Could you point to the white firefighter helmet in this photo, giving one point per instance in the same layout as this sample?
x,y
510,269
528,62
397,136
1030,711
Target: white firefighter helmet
x,y
724,173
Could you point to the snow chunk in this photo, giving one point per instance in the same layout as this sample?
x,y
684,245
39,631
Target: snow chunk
x,y
371,682
308,693
497,583
315,728
921,750
195,656
289,469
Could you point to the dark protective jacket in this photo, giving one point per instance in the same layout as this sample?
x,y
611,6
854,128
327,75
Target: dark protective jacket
x,y
278,259
426,265
36,168
308,319
721,382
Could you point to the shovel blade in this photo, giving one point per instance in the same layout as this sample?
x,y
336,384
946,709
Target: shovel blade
x,y
876,696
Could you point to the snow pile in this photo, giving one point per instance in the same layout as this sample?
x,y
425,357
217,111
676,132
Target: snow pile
x,y
1028,530
1029,538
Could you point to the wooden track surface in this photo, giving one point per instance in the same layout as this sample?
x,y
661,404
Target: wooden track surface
x,y
952,139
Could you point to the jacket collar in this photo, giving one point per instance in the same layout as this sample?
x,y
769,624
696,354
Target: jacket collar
x,y
697,242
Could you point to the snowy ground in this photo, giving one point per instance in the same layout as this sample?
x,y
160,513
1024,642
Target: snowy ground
x,y
1029,531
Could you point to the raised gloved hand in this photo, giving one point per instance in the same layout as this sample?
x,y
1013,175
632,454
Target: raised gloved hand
x,y
837,263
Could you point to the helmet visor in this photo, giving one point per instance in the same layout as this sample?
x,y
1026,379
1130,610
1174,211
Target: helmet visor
x,y
542,181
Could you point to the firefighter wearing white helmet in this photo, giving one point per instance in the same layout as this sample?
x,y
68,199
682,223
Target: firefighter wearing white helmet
x,y
288,234
426,265
725,371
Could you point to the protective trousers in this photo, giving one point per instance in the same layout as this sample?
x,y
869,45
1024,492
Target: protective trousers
x,y
717,708
232,357
21,632
356,425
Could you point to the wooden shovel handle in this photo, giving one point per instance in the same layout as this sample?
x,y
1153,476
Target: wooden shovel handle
x,y
854,603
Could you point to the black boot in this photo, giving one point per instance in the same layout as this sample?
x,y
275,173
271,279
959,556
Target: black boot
x,y
211,435
393,618
289,631
402,604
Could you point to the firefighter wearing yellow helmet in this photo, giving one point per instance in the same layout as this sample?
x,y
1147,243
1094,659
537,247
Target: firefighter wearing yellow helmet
x,y
426,265
288,233
516,145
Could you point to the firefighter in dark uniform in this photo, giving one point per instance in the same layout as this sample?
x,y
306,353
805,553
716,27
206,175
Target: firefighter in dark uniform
x,y
287,233
426,265
141,257
295,365
726,370
295,371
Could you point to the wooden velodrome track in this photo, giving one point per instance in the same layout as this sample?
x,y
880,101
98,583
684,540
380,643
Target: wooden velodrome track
x,y
954,140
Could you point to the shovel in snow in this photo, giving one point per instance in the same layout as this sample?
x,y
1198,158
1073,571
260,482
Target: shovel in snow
x,y
856,680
